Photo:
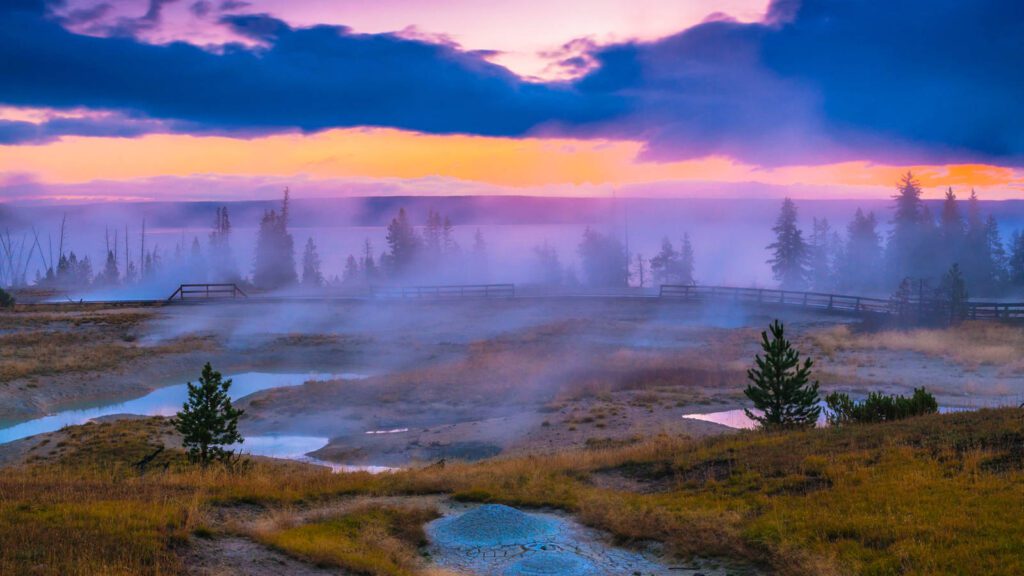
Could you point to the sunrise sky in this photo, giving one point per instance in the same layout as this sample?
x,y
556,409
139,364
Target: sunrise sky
x,y
159,99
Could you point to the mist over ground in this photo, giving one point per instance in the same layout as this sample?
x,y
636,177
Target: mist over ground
x,y
729,236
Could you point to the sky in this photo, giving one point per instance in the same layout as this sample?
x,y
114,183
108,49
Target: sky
x,y
186,99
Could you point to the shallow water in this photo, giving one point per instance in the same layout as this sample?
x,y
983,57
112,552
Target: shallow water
x,y
296,448
496,540
164,401
738,418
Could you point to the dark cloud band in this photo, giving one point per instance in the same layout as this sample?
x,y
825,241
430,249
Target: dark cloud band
x,y
818,81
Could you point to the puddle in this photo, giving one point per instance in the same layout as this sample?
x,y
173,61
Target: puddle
x,y
738,418
392,431
497,540
164,401
297,448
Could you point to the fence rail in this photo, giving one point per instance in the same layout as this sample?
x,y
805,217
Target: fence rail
x,y
439,292
206,292
995,310
920,309
814,300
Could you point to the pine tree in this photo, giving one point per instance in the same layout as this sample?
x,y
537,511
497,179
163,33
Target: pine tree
x,y
350,276
951,229
780,385
789,251
665,264
977,257
402,244
640,270
432,234
604,259
908,247
208,422
954,293
863,253
820,268
196,261
222,261
367,266
549,269
480,263
1016,259
110,275
311,276
998,264
686,262
448,243
275,249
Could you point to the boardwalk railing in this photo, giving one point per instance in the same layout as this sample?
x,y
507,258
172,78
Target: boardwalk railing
x,y
915,309
814,300
995,310
454,291
206,292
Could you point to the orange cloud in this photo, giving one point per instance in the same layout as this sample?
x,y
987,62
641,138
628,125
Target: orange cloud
x,y
525,163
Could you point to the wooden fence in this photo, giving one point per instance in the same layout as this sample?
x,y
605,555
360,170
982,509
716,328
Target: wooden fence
x,y
916,309
206,292
442,292
814,300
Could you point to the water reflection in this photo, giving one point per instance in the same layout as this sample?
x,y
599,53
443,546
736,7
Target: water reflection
x,y
161,402
297,448
738,418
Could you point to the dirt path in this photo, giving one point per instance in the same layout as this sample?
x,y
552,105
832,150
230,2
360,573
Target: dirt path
x,y
237,556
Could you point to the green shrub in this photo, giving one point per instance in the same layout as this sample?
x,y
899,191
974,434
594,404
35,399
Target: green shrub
x,y
6,300
878,407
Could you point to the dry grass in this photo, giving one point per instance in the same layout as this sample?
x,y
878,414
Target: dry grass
x,y
47,343
371,539
970,344
940,494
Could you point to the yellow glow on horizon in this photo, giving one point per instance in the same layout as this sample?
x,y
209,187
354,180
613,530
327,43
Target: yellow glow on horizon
x,y
526,163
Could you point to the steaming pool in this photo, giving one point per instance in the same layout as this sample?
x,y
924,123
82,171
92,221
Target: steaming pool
x,y
166,401
497,540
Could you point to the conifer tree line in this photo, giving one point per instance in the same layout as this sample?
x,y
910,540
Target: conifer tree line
x,y
605,262
919,249
427,253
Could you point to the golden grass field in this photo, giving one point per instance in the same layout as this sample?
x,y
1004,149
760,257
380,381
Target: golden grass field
x,y
970,344
941,494
68,341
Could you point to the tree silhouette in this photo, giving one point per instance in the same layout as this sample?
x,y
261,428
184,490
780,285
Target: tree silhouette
x,y
686,262
1016,259
789,251
780,385
403,244
863,252
549,268
311,275
953,292
665,264
207,422
908,251
604,260
275,250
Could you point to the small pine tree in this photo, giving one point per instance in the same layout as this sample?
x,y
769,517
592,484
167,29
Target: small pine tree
x,y
207,421
6,300
954,293
686,261
1016,259
311,275
780,385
